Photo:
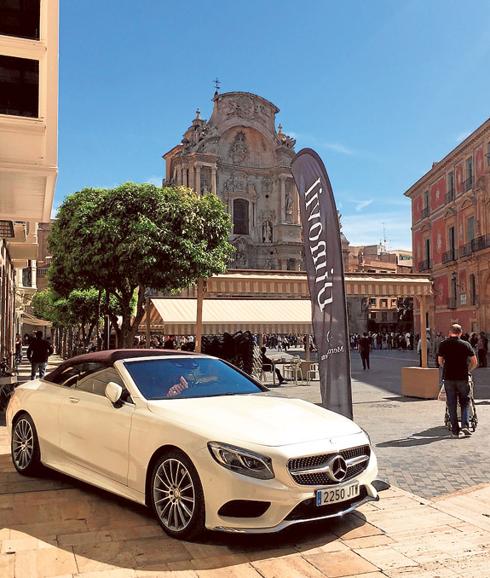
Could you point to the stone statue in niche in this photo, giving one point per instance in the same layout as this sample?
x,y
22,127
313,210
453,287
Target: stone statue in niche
x,y
267,231
240,259
289,207
267,186
251,190
239,149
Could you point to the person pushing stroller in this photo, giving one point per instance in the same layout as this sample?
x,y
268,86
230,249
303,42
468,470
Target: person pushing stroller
x,y
457,359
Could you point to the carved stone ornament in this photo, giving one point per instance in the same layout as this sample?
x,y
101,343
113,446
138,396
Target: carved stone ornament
x,y
241,106
239,149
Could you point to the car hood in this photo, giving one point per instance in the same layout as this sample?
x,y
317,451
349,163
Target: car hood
x,y
259,419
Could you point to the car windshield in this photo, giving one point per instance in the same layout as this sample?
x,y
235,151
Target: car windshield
x,y
178,378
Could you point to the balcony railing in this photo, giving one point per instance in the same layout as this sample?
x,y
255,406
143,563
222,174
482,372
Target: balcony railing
x,y
424,265
468,184
465,250
450,196
450,255
480,243
452,303
425,212
42,271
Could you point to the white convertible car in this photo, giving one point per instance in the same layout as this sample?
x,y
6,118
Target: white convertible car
x,y
201,443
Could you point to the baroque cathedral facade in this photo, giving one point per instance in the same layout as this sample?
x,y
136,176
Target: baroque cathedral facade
x,y
239,155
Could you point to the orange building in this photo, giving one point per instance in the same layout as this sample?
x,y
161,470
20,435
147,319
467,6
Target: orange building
x,y
451,234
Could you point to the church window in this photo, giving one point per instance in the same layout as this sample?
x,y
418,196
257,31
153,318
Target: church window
x,y
240,217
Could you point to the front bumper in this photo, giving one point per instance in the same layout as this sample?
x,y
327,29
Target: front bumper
x,y
290,503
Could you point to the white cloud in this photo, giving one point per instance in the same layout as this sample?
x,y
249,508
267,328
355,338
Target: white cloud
x,y
314,141
338,148
157,181
462,135
360,205
368,229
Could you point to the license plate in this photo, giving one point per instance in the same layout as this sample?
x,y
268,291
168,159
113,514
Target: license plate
x,y
335,495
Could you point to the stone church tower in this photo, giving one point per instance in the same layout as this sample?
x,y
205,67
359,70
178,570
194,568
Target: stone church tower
x,y
239,155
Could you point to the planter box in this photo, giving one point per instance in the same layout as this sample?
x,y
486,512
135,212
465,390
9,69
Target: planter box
x,y
8,380
420,382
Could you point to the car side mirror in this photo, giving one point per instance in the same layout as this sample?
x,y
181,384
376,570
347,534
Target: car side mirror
x,y
113,392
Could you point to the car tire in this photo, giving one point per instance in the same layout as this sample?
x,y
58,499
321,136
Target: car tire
x,y
26,455
176,496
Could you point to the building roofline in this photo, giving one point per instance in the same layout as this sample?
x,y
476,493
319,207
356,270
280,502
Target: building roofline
x,y
240,93
444,161
173,149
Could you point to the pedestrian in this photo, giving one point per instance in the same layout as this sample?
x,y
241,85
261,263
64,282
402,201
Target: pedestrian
x,y
38,354
169,342
458,359
364,348
268,365
18,349
438,339
482,346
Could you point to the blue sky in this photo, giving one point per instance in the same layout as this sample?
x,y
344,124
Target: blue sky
x,y
380,88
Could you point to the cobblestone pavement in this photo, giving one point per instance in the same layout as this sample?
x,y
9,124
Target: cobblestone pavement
x,y
413,446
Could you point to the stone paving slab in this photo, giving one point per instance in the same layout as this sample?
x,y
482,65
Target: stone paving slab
x,y
64,528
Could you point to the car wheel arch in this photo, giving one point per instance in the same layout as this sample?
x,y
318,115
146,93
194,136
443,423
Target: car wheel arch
x,y
162,450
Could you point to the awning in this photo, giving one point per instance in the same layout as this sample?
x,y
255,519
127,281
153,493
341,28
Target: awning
x,y
29,319
177,316
286,284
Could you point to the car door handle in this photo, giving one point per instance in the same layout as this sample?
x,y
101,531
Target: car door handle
x,y
74,399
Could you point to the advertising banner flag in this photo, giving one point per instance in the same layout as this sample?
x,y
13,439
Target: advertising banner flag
x,y
325,271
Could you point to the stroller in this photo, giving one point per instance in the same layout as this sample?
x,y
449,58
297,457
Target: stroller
x,y
472,417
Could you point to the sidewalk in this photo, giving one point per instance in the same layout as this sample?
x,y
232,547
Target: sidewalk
x,y
58,527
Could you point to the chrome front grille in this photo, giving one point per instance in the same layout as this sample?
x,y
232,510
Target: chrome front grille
x,y
300,468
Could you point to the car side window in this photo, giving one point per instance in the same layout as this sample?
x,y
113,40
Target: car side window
x,y
97,382
74,373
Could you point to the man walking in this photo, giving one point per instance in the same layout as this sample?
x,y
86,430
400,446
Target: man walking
x,y
38,353
458,359
364,348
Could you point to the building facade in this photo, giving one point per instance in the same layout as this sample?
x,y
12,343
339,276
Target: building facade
x,y
28,149
239,155
451,234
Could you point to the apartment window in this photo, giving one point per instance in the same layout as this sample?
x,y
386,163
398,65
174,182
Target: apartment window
x,y
450,185
19,86
20,18
384,303
472,289
427,251
426,199
372,301
470,229
452,241
454,293
488,154
469,174
384,316
240,217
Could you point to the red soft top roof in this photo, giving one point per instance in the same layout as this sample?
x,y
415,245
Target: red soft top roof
x,y
108,357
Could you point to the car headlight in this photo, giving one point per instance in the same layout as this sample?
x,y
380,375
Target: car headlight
x,y
242,461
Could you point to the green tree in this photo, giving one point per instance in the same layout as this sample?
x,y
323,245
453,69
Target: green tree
x,y
136,236
82,309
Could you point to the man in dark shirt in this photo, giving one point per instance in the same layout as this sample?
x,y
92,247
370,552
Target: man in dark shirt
x,y
364,348
457,358
38,353
268,365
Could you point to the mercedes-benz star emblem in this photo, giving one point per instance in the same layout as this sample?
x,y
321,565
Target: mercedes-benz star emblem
x,y
337,468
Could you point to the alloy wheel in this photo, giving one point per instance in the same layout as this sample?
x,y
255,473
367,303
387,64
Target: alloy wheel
x,y
23,444
174,494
